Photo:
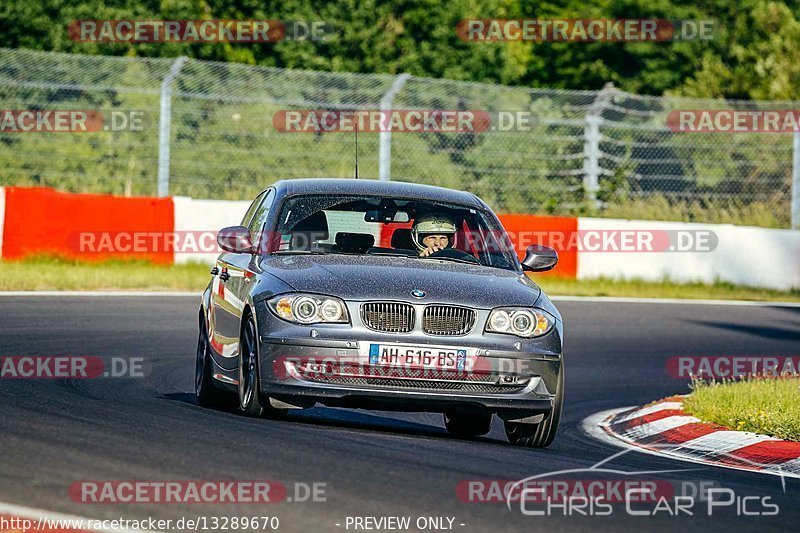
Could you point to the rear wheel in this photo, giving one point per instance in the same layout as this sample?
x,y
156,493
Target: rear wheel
x,y
468,424
205,393
541,434
250,400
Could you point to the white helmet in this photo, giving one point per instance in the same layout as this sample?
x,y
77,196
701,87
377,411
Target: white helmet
x,y
433,224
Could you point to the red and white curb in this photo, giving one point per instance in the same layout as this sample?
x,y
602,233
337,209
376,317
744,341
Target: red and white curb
x,y
664,429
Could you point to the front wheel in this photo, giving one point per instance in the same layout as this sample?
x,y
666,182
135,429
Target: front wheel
x,y
541,434
250,401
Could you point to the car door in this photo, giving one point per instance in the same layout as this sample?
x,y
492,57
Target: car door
x,y
226,304
241,270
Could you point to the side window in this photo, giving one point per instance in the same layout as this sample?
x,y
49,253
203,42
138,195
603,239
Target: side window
x,y
260,216
489,248
248,216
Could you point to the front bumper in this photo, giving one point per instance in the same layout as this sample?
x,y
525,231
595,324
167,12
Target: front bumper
x,y
304,365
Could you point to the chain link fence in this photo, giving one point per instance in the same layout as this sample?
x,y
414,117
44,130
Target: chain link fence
x,y
207,131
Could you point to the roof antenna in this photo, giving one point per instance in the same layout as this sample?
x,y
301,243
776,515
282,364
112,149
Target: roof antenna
x,y
356,124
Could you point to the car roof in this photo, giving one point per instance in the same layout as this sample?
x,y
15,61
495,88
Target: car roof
x,y
375,188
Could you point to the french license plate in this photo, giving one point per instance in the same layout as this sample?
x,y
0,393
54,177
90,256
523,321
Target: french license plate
x,y
417,357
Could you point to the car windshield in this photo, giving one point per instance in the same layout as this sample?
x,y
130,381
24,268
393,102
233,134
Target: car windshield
x,y
369,225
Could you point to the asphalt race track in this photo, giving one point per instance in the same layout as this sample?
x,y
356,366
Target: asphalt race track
x,y
56,432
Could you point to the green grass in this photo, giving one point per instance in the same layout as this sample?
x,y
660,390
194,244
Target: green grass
x,y
63,275
774,213
55,274
770,406
662,289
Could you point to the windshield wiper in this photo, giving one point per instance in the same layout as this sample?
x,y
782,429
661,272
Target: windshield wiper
x,y
454,260
314,252
299,252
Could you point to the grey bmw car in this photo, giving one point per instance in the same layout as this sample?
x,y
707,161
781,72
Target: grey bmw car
x,y
381,295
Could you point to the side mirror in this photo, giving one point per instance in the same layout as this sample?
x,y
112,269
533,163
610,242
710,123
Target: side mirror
x,y
235,239
539,258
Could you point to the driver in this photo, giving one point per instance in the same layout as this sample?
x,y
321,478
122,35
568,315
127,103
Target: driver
x,y
432,233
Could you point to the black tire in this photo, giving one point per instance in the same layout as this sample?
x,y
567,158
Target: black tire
x,y
468,424
539,435
205,392
251,402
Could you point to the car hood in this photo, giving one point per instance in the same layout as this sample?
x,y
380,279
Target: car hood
x,y
393,278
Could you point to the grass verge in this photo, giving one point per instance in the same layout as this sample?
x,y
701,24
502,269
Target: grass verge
x,y
54,274
769,406
765,214
662,289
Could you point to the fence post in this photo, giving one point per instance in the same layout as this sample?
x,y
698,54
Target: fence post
x,y
591,157
796,182
165,119
385,144
591,142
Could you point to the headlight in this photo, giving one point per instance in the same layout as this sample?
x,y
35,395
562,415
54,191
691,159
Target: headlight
x,y
520,321
309,309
